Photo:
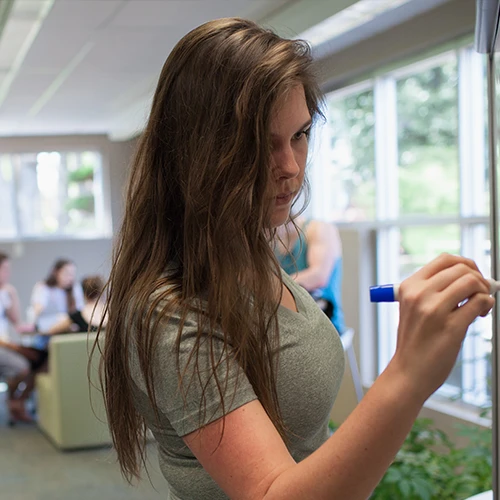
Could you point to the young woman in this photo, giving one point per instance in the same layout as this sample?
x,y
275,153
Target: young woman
x,y
228,361
55,298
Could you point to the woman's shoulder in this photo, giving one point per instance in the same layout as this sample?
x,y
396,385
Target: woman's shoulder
x,y
5,297
164,304
40,289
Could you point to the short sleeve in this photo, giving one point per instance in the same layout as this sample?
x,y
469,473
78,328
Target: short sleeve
x,y
40,295
197,402
5,299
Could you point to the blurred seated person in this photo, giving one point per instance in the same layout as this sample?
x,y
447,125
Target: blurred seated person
x,y
14,367
90,316
53,299
9,299
312,256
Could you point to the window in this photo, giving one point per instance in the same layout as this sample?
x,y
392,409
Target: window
x,y
52,193
407,155
348,192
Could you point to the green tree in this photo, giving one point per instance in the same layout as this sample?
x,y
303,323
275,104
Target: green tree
x,y
427,107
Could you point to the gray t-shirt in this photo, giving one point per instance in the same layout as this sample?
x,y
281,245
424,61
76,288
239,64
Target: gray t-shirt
x,y
311,365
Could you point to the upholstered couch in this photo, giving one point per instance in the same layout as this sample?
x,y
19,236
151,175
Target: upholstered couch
x,y
70,409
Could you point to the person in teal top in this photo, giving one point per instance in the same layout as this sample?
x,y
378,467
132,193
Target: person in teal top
x,y
313,258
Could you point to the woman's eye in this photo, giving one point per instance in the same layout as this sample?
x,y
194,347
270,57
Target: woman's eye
x,y
301,134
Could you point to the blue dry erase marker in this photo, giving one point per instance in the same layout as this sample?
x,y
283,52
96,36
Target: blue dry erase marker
x,y
389,293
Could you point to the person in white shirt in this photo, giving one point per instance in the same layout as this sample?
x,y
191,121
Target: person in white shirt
x,y
14,366
53,299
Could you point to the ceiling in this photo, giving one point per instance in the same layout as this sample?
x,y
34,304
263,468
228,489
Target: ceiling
x,y
91,66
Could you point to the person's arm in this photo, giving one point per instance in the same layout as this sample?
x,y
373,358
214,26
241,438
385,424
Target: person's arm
x,y
7,344
323,249
251,462
27,352
64,325
39,299
13,312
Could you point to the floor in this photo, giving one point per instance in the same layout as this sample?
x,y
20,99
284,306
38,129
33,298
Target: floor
x,y
31,468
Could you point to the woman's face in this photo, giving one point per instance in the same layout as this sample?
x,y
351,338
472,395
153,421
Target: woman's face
x,y
4,272
65,277
290,127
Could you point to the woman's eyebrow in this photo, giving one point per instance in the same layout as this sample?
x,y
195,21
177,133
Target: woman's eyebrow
x,y
306,124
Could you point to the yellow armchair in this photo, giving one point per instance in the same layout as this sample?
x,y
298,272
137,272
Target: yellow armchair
x,y
70,409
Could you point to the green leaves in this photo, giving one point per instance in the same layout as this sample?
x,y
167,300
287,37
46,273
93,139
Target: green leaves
x,y
430,467
85,172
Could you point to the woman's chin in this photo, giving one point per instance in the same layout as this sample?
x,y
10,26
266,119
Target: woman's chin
x,y
280,217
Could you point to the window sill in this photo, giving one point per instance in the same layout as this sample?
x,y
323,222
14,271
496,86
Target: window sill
x,y
457,410
454,409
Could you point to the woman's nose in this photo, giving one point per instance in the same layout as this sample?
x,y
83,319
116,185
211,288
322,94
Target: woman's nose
x,y
285,164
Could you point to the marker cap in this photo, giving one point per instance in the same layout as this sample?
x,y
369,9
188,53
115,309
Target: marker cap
x,y
382,293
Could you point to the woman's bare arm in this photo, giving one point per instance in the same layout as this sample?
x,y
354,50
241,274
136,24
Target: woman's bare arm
x,y
64,325
251,461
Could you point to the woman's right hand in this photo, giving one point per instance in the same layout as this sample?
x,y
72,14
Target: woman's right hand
x,y
432,326
26,328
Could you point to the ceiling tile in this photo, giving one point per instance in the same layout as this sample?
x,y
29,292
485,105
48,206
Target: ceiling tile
x,y
67,15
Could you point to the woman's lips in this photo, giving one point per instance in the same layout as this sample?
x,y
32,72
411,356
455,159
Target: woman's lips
x,y
284,199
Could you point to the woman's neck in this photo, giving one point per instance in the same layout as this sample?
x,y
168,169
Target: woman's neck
x,y
286,237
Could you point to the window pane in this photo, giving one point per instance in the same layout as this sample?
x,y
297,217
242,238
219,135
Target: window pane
x,y
351,173
81,203
59,193
421,244
427,104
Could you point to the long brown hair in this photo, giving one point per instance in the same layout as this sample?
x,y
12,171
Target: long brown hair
x,y
3,257
199,200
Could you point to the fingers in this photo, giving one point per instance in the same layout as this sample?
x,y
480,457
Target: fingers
x,y
445,278
454,278
479,304
442,262
458,283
